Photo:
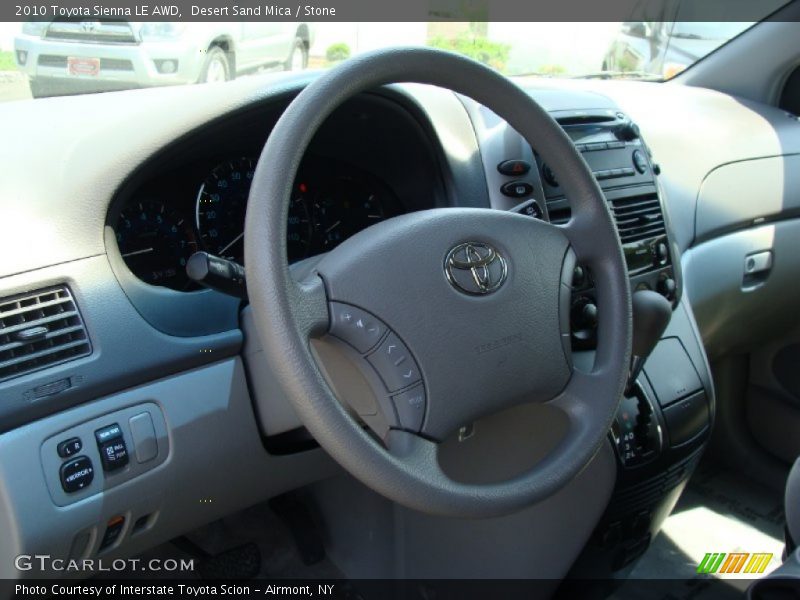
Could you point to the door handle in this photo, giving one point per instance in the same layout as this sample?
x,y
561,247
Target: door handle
x,y
757,266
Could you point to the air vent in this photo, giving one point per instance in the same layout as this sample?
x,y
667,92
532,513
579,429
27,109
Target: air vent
x,y
638,217
40,329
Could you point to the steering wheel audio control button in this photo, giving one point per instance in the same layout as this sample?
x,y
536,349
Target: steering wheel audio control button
x,y
394,363
410,406
355,326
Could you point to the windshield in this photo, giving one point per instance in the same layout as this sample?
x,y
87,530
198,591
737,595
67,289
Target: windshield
x,y
51,58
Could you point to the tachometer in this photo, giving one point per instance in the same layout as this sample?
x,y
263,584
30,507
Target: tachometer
x,y
155,243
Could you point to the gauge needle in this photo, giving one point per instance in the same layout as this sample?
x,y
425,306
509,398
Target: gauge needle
x,y
332,227
236,239
136,252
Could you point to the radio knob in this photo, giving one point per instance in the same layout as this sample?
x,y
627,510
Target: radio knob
x,y
628,132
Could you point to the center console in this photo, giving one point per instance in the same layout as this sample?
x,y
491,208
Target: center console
x,y
665,418
612,146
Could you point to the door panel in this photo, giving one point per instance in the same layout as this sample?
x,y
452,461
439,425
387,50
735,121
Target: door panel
x,y
773,396
751,323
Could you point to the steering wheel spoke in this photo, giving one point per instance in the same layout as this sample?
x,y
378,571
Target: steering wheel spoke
x,y
412,448
309,305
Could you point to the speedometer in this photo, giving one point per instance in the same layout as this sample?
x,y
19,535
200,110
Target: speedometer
x,y
221,208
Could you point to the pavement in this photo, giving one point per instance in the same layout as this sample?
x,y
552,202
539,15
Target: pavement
x,y
13,86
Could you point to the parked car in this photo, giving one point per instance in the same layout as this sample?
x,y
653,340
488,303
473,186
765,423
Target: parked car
x,y
67,57
664,48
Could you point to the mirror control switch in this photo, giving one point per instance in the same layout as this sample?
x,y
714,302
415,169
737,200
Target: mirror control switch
x,y
76,474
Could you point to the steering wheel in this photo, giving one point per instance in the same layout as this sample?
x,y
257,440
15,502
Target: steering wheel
x,y
460,312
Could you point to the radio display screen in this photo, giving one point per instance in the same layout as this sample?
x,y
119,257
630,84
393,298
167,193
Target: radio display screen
x,y
582,134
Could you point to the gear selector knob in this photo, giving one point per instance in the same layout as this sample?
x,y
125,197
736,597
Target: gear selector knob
x,y
651,315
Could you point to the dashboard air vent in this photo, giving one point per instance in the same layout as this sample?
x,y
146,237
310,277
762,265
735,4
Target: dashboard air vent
x,y
40,329
638,217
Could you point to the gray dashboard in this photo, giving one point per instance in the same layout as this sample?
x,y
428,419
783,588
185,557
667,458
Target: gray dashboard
x,y
176,354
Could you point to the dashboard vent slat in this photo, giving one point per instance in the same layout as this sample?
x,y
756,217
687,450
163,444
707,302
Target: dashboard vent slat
x,y
638,217
40,329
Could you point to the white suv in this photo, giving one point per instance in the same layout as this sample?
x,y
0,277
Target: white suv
x,y
66,57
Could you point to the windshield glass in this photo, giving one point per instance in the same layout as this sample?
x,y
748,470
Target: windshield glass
x,y
51,58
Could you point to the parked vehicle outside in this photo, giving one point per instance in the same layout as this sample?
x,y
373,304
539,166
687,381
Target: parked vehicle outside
x,y
665,48
67,57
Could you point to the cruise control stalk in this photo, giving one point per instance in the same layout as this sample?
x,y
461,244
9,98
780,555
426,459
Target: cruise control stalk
x,y
217,273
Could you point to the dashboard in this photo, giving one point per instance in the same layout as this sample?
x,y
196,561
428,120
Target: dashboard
x,y
203,208
164,177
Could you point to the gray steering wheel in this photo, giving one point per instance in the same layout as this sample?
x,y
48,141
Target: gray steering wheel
x,y
474,303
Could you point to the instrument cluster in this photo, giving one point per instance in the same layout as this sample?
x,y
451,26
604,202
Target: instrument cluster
x,y
159,228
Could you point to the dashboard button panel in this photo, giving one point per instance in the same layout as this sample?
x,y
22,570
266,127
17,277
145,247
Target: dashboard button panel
x,y
105,463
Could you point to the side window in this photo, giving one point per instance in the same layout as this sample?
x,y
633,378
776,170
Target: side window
x,y
790,97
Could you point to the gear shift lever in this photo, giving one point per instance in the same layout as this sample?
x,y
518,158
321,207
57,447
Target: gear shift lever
x,y
651,315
